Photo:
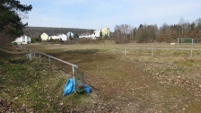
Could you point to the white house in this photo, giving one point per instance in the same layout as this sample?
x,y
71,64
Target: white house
x,y
54,37
96,34
70,34
105,32
23,40
86,35
44,37
63,37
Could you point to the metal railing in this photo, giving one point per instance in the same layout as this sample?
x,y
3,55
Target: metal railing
x,y
154,51
33,54
52,57
40,54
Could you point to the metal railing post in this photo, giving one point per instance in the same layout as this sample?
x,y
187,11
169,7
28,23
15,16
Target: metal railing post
x,y
30,54
49,60
73,71
152,52
191,52
125,51
39,57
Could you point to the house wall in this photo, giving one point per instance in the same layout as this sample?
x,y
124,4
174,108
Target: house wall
x,y
54,37
44,37
23,40
63,37
105,32
96,34
86,35
70,34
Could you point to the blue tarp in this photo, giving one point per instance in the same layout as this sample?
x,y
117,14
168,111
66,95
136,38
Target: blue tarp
x,y
69,87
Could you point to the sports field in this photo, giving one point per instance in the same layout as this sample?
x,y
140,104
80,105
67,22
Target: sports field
x,y
135,81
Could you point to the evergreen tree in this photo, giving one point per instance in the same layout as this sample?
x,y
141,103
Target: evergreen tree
x,y
76,35
71,38
10,21
101,35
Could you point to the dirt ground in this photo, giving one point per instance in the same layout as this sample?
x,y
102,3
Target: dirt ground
x,y
123,85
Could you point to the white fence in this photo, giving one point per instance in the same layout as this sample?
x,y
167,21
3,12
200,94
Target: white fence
x,y
153,52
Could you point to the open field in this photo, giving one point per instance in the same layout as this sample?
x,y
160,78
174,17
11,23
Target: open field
x,y
111,45
131,83
136,83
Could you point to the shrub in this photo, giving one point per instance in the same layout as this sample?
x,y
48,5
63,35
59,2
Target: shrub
x,y
14,43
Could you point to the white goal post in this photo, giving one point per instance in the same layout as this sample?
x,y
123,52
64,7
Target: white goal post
x,y
186,41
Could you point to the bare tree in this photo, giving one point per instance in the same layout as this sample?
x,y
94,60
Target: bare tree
x,y
122,33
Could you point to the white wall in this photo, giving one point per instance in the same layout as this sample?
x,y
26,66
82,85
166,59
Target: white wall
x,y
63,37
23,40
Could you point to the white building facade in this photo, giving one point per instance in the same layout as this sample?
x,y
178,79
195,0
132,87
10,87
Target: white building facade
x,y
23,40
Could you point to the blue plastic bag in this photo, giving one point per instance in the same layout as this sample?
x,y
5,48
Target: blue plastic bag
x,y
87,89
69,87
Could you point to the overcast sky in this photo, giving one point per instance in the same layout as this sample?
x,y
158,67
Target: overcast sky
x,y
96,14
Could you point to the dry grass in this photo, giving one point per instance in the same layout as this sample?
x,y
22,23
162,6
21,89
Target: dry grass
x,y
135,82
107,45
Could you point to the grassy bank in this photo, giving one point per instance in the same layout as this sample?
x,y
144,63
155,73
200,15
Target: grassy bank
x,y
28,86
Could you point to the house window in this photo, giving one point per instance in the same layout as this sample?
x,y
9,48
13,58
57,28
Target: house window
x,y
23,39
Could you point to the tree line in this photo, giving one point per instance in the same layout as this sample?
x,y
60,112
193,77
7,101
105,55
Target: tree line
x,y
152,33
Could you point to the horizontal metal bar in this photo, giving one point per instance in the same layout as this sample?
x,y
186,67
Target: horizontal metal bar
x,y
58,59
164,48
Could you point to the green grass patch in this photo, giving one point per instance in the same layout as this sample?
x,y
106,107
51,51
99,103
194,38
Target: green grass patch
x,y
27,86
